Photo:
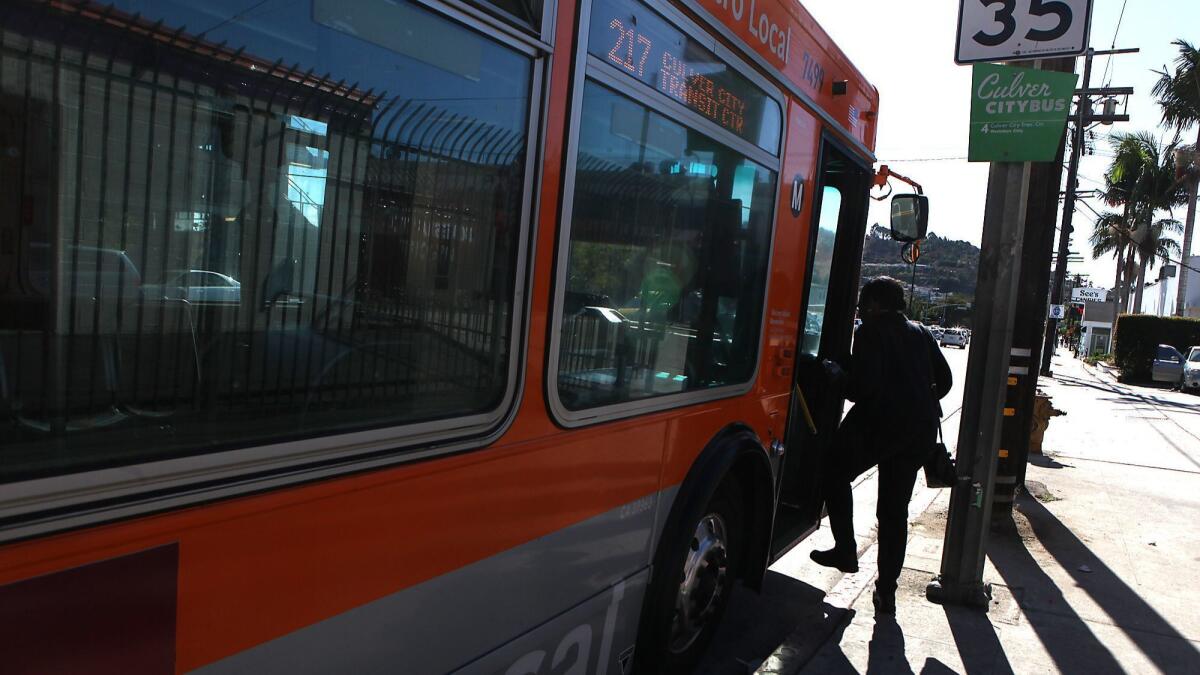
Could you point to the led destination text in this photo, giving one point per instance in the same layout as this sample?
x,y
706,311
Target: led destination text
x,y
683,83
637,41
677,79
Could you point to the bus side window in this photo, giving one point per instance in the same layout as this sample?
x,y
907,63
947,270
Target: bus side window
x,y
669,243
218,252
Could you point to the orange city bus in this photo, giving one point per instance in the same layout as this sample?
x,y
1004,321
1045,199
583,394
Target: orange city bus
x,y
413,336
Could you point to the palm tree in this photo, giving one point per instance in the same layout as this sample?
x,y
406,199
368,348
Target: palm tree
x,y
1141,180
1109,236
1178,95
1152,245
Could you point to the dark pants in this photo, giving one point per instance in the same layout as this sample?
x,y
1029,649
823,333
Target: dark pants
x,y
899,457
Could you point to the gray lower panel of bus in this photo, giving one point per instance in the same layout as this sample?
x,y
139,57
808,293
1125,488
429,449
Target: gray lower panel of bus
x,y
570,597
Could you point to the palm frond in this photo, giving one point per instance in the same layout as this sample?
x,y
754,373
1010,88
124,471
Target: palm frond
x,y
1178,92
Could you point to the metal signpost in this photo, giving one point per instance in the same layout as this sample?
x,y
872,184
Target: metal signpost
x,y
1017,114
1001,30
1014,30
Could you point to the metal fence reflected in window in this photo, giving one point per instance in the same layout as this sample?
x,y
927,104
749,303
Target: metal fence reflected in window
x,y
202,246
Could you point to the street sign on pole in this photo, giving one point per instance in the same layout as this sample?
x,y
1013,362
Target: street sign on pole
x,y
1057,312
1017,114
1083,293
1014,30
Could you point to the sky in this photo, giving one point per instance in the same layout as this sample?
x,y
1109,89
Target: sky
x,y
906,49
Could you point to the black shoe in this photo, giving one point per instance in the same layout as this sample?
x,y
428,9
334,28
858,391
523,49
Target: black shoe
x,y
837,558
885,603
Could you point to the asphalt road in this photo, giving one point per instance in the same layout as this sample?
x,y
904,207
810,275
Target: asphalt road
x,y
952,404
1157,427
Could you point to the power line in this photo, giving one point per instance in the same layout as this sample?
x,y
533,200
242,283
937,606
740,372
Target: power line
x,y
1129,240
1108,62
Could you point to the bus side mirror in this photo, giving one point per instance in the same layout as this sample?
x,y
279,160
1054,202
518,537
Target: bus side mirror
x,y
910,217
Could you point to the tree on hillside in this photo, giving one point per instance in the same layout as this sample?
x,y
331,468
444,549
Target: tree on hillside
x,y
1178,95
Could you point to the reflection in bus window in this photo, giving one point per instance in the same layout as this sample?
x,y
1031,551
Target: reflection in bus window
x,y
229,221
670,233
822,268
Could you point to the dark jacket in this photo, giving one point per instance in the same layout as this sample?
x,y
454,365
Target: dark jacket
x,y
897,375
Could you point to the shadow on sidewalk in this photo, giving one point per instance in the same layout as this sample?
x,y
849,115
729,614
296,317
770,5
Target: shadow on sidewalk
x,y
755,624
1134,398
975,637
887,648
1064,634
1020,570
1047,462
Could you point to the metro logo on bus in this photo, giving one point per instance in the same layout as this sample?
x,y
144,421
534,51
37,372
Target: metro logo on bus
x,y
761,26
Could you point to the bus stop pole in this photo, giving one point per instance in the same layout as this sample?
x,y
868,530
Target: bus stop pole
x,y
961,578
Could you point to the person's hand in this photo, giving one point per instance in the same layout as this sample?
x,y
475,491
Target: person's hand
x,y
833,371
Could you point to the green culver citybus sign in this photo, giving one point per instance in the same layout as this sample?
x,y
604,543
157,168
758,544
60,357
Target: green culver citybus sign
x,y
1017,114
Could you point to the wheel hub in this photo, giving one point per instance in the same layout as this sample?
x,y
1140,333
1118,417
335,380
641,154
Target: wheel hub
x,y
704,582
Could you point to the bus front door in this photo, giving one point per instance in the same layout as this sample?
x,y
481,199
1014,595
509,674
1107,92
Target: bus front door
x,y
835,257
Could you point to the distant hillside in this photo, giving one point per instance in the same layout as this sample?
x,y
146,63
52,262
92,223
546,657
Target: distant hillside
x,y
949,264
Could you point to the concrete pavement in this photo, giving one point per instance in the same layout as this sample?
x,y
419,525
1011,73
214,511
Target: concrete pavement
x,y
1097,571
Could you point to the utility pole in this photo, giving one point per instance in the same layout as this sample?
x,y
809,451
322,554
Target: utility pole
x,y
961,578
1029,322
1083,118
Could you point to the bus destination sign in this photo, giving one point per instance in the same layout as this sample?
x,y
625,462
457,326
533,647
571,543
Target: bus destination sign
x,y
634,39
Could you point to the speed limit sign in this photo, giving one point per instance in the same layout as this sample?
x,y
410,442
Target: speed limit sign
x,y
1013,30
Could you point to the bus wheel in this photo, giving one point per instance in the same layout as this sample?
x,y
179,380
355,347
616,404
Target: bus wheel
x,y
700,582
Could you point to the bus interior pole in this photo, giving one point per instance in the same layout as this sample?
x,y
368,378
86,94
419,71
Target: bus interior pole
x,y
961,578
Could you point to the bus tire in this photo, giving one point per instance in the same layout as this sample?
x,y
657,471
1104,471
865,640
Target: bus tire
x,y
689,597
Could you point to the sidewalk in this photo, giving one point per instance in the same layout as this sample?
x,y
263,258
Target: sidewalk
x,y
1098,571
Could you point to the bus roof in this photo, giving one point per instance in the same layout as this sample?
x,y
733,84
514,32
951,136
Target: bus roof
x,y
785,40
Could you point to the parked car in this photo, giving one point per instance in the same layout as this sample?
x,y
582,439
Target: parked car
x,y
1191,371
1167,366
88,272
954,337
198,286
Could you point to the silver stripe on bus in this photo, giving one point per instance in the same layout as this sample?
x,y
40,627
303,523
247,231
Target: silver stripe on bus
x,y
491,614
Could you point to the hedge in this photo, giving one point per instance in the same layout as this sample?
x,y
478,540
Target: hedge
x,y
1138,335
